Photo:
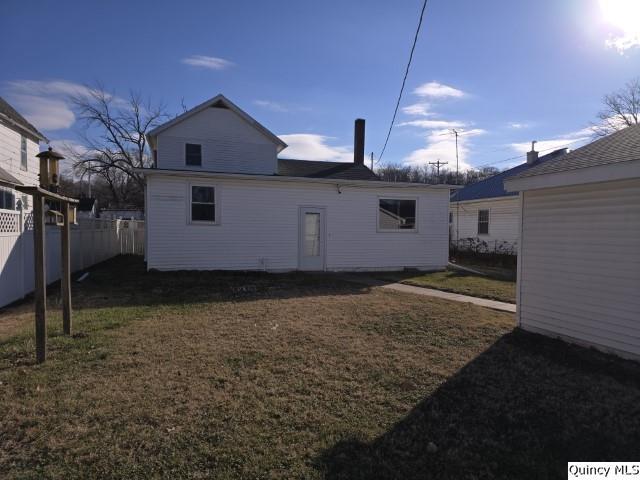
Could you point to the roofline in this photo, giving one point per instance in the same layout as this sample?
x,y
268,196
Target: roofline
x,y
486,199
578,176
232,106
24,128
282,178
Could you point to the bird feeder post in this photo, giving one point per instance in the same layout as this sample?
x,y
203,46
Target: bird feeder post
x,y
44,196
40,277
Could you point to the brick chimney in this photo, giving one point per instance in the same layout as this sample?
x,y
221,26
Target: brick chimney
x,y
358,142
532,156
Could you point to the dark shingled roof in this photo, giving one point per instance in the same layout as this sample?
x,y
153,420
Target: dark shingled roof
x,y
493,187
7,179
621,146
16,119
318,169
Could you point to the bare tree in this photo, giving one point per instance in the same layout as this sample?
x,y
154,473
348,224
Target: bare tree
x,y
113,136
621,109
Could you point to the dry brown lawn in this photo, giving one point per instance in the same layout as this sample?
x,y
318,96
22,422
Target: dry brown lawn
x,y
223,375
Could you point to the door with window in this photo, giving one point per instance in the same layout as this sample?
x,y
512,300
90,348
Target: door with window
x,y
312,248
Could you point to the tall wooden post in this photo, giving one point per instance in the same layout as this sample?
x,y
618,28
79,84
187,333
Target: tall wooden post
x,y
40,277
65,270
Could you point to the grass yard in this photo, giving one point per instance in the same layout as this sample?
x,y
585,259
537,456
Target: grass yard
x,y
257,376
457,281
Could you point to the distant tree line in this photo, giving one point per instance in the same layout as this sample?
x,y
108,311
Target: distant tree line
x,y
428,174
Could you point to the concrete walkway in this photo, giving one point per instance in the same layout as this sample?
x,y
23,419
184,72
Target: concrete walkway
x,y
431,292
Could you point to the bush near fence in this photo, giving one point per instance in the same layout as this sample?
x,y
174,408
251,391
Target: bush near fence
x,y
92,241
475,250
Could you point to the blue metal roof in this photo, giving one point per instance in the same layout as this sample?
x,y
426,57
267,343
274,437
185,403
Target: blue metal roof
x,y
493,187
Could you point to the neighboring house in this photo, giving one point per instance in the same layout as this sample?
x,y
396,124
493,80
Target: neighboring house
x,y
220,198
122,213
19,145
579,259
87,207
488,214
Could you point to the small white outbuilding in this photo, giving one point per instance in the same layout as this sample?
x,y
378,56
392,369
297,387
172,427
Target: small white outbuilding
x,y
579,254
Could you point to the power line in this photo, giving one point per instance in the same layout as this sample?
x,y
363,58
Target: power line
x,y
404,79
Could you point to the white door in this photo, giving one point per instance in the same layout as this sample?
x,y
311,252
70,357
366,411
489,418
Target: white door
x,y
312,239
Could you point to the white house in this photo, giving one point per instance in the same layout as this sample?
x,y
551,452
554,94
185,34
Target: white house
x,y
220,198
485,215
579,259
19,145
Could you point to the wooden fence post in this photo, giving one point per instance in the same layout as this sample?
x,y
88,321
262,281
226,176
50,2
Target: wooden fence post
x,y
65,270
40,277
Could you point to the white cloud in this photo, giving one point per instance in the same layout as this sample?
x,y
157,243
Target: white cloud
x,y
421,109
518,125
46,104
624,17
431,124
211,63
273,106
441,146
309,146
438,90
570,140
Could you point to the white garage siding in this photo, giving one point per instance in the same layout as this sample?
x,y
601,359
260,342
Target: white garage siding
x,y
580,270
259,226
504,220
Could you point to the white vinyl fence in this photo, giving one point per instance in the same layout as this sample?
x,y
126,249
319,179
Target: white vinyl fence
x,y
92,241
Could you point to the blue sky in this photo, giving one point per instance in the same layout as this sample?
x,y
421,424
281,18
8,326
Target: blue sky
x,y
503,72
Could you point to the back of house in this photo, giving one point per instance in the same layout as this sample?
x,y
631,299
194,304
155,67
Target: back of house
x,y
219,197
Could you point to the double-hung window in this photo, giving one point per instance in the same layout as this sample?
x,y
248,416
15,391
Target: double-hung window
x,y
396,214
203,204
483,222
193,154
24,159
7,199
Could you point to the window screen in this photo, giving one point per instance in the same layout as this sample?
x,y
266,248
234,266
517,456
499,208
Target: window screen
x,y
203,206
396,214
483,222
193,154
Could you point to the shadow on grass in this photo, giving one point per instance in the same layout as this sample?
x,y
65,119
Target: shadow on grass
x,y
522,409
124,281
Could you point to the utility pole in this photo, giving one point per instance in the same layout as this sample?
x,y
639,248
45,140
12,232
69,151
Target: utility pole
x,y
438,164
455,132
371,160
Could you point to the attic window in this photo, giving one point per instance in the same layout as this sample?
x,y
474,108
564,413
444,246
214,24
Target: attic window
x,y
193,154
220,104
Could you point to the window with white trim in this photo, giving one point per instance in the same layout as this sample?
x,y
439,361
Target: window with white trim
x,y
483,222
7,199
396,214
203,204
24,159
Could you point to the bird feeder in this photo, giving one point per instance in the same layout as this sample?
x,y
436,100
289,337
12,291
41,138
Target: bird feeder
x,y
61,211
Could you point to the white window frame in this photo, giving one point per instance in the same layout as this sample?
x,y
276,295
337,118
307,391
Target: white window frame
x,y
488,210
216,203
24,166
201,154
416,227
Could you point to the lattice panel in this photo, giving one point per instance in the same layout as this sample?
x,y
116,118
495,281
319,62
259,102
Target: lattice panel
x,y
28,222
9,222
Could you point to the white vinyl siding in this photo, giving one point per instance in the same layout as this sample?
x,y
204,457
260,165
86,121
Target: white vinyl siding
x,y
580,264
11,158
259,227
229,144
504,220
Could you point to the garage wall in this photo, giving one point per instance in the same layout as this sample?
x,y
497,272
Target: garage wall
x,y
580,270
